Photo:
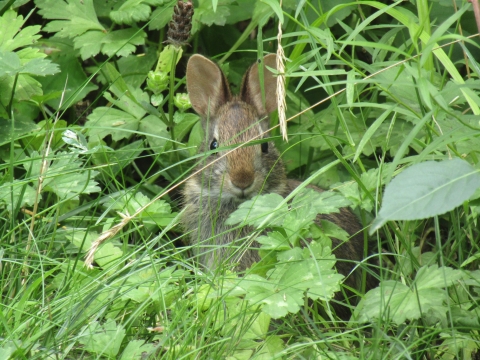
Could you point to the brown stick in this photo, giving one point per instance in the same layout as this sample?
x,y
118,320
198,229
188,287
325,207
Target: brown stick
x,y
476,11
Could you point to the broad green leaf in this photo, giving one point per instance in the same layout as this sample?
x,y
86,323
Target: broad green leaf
x,y
184,123
10,65
113,161
72,81
102,339
21,127
277,300
13,35
427,189
125,103
324,202
20,191
257,210
76,17
160,17
81,239
156,132
165,61
107,253
90,43
65,175
137,349
104,121
274,240
273,345
122,42
205,14
159,212
131,11
400,302
310,269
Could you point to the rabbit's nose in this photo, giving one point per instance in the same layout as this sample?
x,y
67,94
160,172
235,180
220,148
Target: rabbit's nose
x,y
242,179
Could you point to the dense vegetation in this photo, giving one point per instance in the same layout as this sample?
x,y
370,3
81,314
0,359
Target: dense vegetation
x,y
96,137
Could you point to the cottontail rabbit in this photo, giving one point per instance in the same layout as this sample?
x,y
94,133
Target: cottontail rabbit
x,y
214,193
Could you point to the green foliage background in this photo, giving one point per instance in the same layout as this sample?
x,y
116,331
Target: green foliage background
x,y
95,132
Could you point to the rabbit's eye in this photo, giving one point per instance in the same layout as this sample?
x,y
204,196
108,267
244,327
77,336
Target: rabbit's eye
x,y
265,147
214,144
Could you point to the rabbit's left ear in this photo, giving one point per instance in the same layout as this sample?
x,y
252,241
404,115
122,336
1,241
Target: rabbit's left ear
x,y
251,92
207,86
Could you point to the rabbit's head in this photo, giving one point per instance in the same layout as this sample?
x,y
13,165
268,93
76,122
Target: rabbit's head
x,y
227,120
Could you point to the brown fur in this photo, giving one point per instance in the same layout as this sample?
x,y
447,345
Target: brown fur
x,y
213,194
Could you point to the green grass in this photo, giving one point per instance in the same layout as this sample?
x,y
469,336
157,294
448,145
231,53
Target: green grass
x,y
401,91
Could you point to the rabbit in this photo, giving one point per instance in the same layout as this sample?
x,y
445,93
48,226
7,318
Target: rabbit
x,y
211,195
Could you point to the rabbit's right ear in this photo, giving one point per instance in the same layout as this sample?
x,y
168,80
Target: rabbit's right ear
x,y
206,85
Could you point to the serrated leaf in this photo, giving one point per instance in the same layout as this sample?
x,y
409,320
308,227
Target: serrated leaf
x,y
159,212
65,176
105,121
122,42
81,239
401,303
131,11
13,35
205,14
274,241
21,127
158,136
107,254
255,211
137,349
427,189
77,17
89,44
18,191
102,339
284,289
39,67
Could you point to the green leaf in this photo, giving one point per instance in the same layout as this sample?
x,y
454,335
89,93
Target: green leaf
x,y
398,302
324,202
427,189
137,349
105,121
310,269
131,11
107,253
158,136
159,212
21,127
257,210
274,240
90,43
276,8
19,191
205,14
77,17
72,81
102,339
160,17
65,176
13,35
273,345
10,65
122,42
165,61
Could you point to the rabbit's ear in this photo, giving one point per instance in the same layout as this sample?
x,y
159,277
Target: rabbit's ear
x,y
206,85
251,91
